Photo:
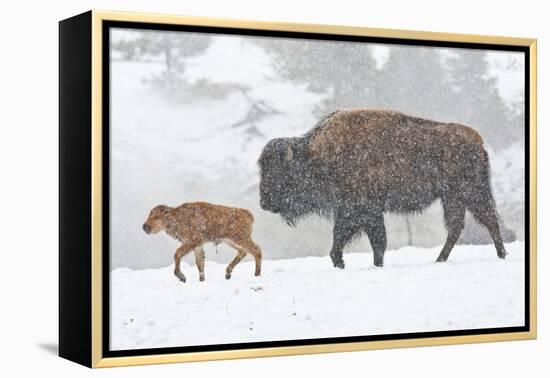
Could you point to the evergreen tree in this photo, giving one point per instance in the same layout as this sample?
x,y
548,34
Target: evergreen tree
x,y
414,81
477,101
344,70
169,48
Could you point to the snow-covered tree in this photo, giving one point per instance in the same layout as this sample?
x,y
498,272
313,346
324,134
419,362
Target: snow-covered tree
x,y
345,70
168,48
414,81
476,98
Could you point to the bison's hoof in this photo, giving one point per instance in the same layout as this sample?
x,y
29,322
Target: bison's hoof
x,y
227,276
339,264
182,279
201,278
502,255
379,264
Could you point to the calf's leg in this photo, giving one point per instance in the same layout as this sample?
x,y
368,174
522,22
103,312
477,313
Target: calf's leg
x,y
199,260
240,255
254,249
183,250
244,246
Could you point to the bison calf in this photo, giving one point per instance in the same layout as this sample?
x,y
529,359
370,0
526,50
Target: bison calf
x,y
197,223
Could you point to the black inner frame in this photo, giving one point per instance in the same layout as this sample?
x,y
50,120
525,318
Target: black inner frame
x,y
107,25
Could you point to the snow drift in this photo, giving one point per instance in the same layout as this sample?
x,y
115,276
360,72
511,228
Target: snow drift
x,y
306,298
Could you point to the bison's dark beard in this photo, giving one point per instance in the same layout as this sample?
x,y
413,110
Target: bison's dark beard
x,y
289,219
294,211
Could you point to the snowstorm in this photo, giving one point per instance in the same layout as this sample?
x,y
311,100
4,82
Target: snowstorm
x,y
191,113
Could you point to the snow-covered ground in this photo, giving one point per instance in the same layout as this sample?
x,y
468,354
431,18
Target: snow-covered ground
x,y
305,298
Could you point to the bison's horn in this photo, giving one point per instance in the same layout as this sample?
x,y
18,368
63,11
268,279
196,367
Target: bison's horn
x,y
289,152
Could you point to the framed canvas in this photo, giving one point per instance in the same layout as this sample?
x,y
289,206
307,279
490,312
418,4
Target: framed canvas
x,y
236,189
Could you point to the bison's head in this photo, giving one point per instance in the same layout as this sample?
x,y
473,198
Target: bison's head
x,y
157,219
286,186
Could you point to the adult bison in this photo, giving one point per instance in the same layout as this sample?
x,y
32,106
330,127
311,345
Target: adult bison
x,y
356,164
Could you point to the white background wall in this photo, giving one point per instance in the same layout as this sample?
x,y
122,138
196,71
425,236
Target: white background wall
x,y
28,191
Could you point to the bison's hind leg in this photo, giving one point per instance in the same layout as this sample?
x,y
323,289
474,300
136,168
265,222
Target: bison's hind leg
x,y
454,211
481,203
484,211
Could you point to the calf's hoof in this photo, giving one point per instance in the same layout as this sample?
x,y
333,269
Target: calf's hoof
x,y
201,278
182,279
339,264
227,276
502,255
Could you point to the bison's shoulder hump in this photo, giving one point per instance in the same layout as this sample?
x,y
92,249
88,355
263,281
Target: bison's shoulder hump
x,y
350,126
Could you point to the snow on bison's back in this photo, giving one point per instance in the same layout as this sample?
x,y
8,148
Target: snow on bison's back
x,y
354,165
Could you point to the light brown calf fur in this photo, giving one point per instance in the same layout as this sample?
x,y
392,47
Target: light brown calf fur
x,y
197,223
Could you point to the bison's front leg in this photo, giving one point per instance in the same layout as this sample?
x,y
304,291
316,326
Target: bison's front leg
x,y
344,230
376,231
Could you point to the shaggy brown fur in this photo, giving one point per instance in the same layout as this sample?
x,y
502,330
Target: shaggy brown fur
x,y
197,223
385,149
357,164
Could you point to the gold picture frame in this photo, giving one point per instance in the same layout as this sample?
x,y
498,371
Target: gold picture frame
x,y
89,330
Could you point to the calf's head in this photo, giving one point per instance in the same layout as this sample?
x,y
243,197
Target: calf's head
x,y
285,186
157,219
